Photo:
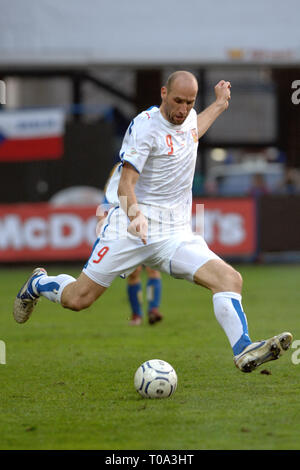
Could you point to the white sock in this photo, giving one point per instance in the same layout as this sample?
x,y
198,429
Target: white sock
x,y
51,287
230,315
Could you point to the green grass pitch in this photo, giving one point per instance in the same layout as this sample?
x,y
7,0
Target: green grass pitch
x,y
68,378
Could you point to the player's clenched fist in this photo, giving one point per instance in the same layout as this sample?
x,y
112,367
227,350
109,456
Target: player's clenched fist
x,y
139,227
222,92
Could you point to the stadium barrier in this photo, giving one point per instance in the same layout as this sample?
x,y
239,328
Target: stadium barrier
x,y
279,223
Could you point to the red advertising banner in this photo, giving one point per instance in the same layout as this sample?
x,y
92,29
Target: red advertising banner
x,y
43,232
230,226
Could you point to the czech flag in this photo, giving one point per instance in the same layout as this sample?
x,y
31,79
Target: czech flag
x,y
28,135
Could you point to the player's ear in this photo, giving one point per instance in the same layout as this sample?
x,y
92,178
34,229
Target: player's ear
x,y
163,92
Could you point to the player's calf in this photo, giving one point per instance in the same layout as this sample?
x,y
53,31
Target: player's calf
x,y
77,302
81,294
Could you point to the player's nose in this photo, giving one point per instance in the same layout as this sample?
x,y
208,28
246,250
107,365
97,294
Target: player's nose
x,y
183,108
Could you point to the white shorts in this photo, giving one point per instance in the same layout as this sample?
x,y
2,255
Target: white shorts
x,y
180,255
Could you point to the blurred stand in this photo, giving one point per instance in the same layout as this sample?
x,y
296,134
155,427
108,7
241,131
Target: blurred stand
x,y
291,182
259,186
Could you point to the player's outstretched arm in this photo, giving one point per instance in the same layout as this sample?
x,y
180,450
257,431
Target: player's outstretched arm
x,y
207,117
138,223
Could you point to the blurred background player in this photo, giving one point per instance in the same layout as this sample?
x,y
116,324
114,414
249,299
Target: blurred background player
x,y
134,281
135,295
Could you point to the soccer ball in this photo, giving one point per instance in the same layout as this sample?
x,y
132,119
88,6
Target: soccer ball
x,y
155,379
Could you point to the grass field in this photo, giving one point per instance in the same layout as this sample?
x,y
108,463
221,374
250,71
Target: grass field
x,y
68,378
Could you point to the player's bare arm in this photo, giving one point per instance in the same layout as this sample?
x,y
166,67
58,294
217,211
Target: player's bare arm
x,y
207,117
138,223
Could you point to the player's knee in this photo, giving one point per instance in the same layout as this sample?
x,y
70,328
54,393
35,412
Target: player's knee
x,y
228,280
135,276
153,273
235,281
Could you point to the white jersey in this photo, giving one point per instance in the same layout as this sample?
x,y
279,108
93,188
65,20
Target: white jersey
x,y
164,155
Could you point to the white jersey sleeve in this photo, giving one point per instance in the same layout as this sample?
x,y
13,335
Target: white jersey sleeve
x,y
137,143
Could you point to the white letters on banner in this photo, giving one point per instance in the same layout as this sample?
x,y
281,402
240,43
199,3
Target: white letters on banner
x,y
228,229
62,231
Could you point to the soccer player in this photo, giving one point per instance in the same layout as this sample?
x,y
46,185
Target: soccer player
x,y
150,222
135,295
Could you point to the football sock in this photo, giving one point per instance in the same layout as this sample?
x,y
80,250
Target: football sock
x,y
135,296
230,315
153,293
51,287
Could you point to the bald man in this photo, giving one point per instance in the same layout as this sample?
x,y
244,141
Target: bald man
x,y
150,222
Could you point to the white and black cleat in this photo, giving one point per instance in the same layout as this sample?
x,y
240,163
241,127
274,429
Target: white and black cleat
x,y
258,353
27,297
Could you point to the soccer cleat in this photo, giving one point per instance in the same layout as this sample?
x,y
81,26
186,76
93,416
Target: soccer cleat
x,y
26,298
154,316
135,320
257,353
